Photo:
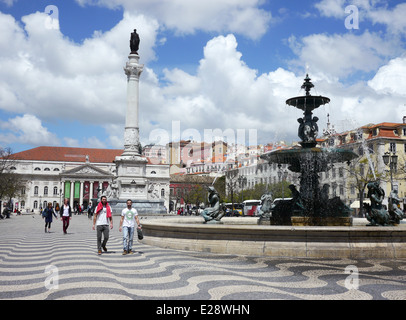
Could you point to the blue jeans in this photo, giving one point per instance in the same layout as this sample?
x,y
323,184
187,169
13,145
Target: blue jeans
x,y
128,235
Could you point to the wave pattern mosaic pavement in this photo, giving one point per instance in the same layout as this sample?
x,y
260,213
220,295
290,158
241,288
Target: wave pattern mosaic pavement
x,y
39,265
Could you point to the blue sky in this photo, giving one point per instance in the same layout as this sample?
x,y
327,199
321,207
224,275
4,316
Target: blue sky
x,y
227,65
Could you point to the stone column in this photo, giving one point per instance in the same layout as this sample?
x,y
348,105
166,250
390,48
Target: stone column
x,y
72,190
133,71
81,193
90,190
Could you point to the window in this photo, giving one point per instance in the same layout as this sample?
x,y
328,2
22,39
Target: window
x,y
37,169
23,190
35,206
56,169
55,191
340,172
162,193
35,190
47,169
370,148
45,190
392,147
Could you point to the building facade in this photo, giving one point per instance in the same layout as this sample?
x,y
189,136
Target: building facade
x,y
51,174
371,142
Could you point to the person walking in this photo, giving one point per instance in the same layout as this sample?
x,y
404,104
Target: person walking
x,y
101,220
66,214
47,215
127,223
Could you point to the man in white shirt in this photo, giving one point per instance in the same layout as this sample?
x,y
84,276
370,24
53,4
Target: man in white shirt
x,y
101,220
128,217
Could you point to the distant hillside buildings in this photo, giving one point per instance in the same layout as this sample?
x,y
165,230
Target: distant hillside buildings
x,y
52,173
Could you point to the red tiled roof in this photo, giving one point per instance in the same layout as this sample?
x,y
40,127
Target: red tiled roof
x,y
384,125
67,154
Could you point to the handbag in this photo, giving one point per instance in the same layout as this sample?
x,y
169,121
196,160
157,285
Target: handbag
x,y
139,233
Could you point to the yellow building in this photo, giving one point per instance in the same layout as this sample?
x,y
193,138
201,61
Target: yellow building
x,y
371,142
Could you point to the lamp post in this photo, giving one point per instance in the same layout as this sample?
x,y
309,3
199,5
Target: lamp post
x,y
242,182
282,174
391,160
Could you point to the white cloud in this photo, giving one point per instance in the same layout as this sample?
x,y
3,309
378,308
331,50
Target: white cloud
x,y
375,11
394,19
45,75
185,17
391,78
28,129
340,55
9,3
331,8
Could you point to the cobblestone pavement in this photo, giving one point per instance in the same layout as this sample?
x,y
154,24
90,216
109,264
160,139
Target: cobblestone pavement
x,y
39,265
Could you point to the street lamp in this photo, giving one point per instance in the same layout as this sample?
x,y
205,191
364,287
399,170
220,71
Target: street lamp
x,y
242,181
392,161
282,174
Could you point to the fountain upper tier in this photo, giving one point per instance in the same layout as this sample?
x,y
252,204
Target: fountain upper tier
x,y
308,102
321,159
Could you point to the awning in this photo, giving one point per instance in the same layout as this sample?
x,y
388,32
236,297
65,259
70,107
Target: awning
x,y
355,204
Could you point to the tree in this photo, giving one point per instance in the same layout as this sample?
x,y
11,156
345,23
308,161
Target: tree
x,y
360,173
11,184
231,185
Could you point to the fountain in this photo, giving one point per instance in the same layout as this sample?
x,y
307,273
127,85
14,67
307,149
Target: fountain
x,y
310,205
309,226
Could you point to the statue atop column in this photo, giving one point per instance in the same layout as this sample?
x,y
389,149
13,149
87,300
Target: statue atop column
x,y
134,42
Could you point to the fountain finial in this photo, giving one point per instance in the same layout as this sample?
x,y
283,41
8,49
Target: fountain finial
x,y
307,85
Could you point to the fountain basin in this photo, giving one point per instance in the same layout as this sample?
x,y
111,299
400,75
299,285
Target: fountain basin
x,y
243,236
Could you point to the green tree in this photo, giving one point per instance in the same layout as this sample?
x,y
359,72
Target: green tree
x,y
11,184
360,173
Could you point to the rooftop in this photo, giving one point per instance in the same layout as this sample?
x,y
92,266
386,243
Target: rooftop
x,y
67,154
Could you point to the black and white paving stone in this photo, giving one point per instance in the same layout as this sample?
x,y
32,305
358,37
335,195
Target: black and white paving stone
x,y
38,265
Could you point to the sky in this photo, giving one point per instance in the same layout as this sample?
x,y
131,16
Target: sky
x,y
211,68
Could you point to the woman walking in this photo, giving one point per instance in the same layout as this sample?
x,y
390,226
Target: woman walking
x,y
47,215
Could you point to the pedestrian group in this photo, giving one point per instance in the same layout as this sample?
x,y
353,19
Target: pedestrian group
x,y
102,223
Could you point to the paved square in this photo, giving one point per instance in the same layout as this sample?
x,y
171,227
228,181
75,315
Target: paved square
x,y
39,265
